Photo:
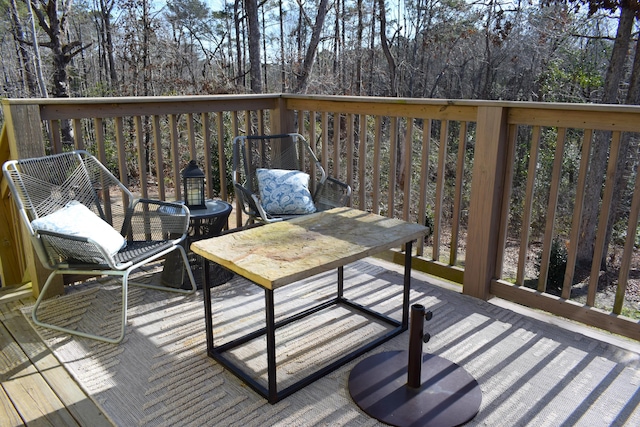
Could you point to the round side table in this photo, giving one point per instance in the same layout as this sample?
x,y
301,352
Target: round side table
x,y
203,224
208,222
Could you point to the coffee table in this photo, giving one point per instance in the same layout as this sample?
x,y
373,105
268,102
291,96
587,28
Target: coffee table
x,y
282,253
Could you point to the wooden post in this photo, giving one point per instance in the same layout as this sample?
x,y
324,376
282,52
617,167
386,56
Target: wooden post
x,y
487,183
282,119
24,135
11,259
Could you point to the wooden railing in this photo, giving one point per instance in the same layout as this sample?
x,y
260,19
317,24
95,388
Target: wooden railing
x,y
454,165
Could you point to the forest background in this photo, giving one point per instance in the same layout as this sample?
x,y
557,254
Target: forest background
x,y
485,49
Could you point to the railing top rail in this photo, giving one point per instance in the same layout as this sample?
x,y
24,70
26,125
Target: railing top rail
x,y
466,103
137,99
78,108
583,116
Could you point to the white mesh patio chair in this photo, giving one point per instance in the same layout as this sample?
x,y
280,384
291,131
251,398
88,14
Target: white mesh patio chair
x,y
83,221
277,177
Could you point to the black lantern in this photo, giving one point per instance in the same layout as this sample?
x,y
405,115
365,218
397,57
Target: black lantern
x,y
193,180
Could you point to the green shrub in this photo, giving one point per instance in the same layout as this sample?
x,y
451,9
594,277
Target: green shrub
x,y
557,265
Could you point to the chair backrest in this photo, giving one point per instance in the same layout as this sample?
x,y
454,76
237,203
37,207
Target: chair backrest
x,y
41,186
287,151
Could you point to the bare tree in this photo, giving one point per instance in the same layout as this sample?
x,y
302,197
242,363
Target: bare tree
x,y
54,21
27,66
600,155
251,6
303,75
385,48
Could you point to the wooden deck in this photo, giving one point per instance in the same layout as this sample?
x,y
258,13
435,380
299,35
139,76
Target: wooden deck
x,y
35,389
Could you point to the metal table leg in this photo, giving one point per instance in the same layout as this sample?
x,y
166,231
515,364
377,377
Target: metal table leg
x,y
271,346
207,306
271,392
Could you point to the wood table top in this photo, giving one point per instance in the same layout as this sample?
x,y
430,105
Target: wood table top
x,y
281,253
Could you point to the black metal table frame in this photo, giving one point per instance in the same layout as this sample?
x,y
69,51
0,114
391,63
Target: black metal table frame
x,y
271,392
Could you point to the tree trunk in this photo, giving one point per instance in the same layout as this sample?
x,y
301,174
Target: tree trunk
x,y
53,25
28,74
303,76
372,48
623,170
360,31
386,50
264,49
336,46
239,56
599,157
105,12
283,74
251,6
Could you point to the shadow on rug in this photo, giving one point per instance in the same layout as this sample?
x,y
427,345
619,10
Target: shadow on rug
x,y
530,372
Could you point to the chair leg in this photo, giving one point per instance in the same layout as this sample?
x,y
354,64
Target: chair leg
x,y
192,280
40,323
125,291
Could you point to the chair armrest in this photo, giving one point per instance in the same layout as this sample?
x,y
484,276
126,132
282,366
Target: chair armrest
x,y
251,205
158,220
332,193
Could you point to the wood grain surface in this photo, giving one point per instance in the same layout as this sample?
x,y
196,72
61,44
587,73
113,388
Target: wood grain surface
x,y
280,253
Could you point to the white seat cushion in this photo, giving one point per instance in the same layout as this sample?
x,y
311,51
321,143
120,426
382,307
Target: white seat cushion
x,y
285,192
75,219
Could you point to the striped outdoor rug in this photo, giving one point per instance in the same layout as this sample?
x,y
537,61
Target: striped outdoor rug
x,y
530,372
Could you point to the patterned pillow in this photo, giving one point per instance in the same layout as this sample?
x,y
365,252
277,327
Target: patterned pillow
x,y
285,192
75,219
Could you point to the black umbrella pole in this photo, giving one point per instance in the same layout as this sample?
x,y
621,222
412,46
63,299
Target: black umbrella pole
x,y
416,328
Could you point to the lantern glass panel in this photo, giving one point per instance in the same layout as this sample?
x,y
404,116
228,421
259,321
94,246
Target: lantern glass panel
x,y
193,179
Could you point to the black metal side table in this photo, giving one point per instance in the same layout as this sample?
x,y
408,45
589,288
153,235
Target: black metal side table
x,y
209,222
203,224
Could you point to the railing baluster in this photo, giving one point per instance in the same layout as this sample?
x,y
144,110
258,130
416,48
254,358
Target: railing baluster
x,y
424,179
142,158
349,148
393,167
625,262
78,141
56,143
175,155
406,170
362,163
572,253
325,141
336,145
551,209
440,178
159,158
457,198
528,204
222,158
510,160
207,142
599,248
191,137
375,196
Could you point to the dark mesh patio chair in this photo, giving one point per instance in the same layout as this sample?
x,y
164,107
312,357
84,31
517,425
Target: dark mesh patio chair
x,y
83,221
278,177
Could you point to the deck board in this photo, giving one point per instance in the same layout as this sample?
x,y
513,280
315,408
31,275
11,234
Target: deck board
x,y
35,388
32,397
8,413
68,391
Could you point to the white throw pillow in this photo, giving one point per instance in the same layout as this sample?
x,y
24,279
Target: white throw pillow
x,y
75,219
285,192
